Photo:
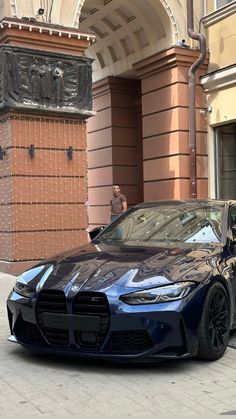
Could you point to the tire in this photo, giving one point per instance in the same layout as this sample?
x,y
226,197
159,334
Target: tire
x,y
214,327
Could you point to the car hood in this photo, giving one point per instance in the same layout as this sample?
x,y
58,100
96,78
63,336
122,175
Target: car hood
x,y
97,267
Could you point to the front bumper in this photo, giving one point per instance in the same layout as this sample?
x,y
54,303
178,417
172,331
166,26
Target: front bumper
x,y
127,333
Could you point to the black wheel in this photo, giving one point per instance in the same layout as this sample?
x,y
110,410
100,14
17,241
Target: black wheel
x,y
214,328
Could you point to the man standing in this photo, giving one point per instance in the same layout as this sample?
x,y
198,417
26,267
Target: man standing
x,y
118,204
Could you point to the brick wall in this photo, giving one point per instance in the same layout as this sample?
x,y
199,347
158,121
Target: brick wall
x,y
42,199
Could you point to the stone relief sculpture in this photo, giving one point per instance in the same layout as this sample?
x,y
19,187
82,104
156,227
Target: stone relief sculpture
x,y
34,76
46,87
84,81
11,73
44,80
58,76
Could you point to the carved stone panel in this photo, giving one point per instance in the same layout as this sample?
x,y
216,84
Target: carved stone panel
x,y
35,80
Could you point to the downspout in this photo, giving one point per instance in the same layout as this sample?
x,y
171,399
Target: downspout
x,y
192,97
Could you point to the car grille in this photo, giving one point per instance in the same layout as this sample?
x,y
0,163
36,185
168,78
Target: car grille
x,y
88,304
84,303
92,304
28,333
52,302
128,342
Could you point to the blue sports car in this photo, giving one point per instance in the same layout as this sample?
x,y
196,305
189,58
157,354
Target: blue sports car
x,y
159,282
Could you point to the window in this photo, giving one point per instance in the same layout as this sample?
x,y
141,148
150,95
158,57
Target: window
x,y
225,175
166,223
220,3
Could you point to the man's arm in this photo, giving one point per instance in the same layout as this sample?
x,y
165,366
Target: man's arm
x,y
109,216
124,204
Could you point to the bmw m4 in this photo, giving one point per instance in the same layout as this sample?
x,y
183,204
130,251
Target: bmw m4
x,y
159,282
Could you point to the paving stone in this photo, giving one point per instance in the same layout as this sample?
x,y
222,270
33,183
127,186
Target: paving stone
x,y
49,386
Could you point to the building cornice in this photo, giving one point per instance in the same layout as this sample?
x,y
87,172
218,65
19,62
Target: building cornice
x,y
34,26
220,79
219,14
167,59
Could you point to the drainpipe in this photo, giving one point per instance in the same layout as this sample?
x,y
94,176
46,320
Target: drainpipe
x,y
192,99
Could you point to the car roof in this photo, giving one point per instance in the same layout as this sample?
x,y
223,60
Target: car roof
x,y
185,201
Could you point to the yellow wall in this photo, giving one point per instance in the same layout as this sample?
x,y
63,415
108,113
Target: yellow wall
x,y
223,110
210,6
221,39
220,27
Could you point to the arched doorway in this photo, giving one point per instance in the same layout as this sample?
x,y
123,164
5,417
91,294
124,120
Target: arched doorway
x,y
139,137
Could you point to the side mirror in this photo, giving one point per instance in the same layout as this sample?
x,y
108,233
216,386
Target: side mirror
x,y
93,233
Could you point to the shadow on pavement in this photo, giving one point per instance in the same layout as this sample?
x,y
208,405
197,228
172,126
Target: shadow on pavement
x,y
232,339
98,365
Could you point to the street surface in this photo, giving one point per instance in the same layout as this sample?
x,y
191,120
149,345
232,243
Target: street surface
x,y
56,386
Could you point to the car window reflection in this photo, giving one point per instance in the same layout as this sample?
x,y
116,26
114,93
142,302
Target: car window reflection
x,y
169,224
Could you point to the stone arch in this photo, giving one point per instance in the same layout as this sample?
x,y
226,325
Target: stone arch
x,y
165,15
128,32
172,19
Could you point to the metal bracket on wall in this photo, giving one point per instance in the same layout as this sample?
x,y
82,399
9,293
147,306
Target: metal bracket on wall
x,y
70,153
2,153
31,151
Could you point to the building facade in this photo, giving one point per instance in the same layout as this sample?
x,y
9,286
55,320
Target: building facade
x,y
220,87
141,55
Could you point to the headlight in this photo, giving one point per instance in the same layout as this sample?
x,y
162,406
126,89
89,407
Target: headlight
x,y
26,283
160,295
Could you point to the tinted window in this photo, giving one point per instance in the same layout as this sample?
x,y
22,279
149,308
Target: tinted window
x,y
167,223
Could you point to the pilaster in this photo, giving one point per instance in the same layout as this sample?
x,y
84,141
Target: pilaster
x,y
164,81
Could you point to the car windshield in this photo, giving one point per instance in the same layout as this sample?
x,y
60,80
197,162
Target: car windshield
x,y
169,223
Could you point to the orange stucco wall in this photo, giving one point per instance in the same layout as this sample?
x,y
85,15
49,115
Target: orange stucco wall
x,y
114,145
150,160
165,116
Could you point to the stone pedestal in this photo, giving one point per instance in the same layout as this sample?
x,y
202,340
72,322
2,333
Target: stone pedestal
x,y
45,100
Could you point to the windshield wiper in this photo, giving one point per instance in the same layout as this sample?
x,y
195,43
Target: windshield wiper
x,y
107,241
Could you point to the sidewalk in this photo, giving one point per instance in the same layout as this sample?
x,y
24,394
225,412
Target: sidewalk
x,y
55,386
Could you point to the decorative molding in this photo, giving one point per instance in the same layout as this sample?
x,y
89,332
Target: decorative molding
x,y
78,12
219,79
57,30
171,15
167,59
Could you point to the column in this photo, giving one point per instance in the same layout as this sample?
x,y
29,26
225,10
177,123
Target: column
x,y
45,101
165,125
